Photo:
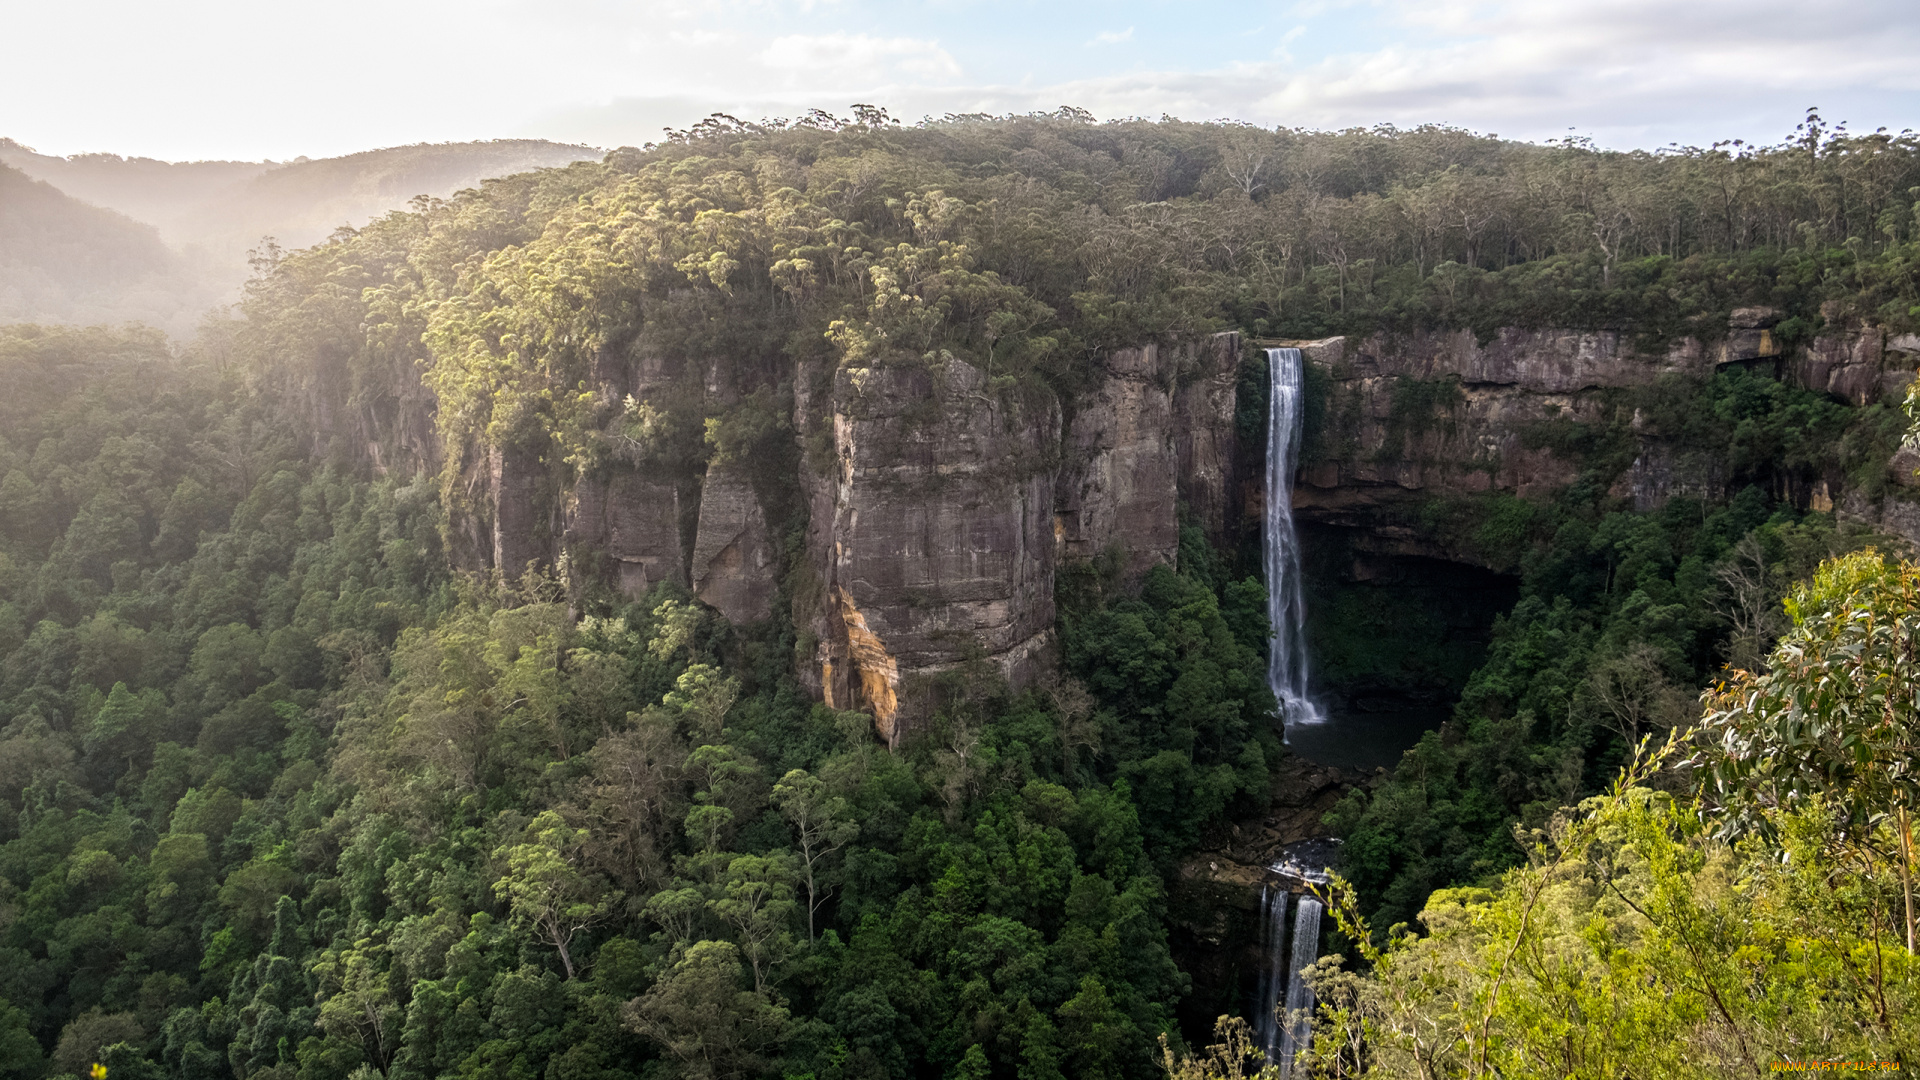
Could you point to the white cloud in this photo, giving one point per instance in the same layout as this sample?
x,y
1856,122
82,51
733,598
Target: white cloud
x,y
1620,65
181,80
853,57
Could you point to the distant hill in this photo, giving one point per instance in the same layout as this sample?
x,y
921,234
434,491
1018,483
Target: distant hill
x,y
201,218
299,204
157,192
62,260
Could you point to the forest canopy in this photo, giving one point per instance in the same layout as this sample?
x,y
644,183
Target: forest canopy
x,y
292,787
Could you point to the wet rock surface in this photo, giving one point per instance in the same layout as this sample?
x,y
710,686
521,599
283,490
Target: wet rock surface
x,y
1216,895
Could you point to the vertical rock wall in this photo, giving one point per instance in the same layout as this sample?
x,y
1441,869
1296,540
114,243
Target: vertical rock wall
x,y
1205,403
937,526
632,523
1156,433
1118,486
930,536
1408,418
938,509
1414,417
521,504
733,564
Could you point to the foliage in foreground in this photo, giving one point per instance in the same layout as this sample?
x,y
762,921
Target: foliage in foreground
x,y
1651,932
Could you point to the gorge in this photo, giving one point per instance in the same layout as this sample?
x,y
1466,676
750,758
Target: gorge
x,y
834,598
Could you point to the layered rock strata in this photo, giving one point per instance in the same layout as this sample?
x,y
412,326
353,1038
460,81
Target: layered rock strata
x,y
1415,417
936,528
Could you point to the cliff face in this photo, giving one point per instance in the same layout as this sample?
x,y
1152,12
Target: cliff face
x,y
935,532
928,534
1155,433
733,558
1412,418
938,508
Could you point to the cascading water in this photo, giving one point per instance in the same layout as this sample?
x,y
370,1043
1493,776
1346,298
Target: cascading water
x,y
1286,599
1273,981
1295,1028
1286,1000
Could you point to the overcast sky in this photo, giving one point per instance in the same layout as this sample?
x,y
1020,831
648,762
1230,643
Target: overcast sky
x,y
195,79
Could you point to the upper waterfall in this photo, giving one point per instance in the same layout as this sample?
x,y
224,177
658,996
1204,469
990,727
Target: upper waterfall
x,y
1286,599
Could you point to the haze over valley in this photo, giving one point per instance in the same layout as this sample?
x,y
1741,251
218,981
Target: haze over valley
x,y
98,238
822,540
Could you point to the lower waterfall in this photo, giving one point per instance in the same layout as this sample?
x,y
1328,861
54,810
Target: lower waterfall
x,y
1295,1025
1286,1001
1286,598
1273,979
1290,932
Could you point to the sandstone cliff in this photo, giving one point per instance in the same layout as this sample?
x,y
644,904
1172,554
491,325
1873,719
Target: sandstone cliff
x,y
1409,419
937,507
935,530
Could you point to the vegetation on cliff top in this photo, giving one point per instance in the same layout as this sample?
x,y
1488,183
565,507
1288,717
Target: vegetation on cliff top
x,y
282,795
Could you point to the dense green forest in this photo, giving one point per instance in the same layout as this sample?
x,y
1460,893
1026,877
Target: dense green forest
x,y
292,786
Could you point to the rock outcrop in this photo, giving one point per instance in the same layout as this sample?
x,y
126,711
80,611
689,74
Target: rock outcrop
x,y
930,536
521,505
1205,404
1118,486
939,506
1437,415
630,524
1156,434
936,528
733,565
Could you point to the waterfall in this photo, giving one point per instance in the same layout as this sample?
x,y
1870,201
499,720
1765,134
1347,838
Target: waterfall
x,y
1295,1028
1285,998
1273,980
1286,600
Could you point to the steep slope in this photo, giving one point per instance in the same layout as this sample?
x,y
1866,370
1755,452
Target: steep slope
x,y
212,214
64,261
157,192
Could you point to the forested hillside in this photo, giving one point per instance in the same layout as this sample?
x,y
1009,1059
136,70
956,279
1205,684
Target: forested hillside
x,y
63,259
302,776
208,216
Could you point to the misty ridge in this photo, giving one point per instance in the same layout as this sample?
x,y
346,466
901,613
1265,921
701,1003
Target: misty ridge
x,y
100,238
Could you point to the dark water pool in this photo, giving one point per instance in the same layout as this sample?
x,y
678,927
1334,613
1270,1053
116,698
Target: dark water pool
x,y
1365,740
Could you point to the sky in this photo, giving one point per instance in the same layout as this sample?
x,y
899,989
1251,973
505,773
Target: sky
x,y
242,79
